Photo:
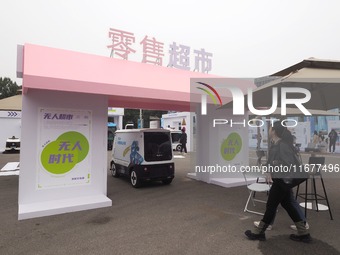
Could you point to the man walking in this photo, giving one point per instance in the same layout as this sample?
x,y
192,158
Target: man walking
x,y
333,136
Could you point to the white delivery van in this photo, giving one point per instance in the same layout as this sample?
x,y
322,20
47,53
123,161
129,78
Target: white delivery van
x,y
143,155
12,144
175,136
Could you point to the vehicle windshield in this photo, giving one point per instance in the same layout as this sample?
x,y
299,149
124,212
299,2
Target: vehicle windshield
x,y
157,146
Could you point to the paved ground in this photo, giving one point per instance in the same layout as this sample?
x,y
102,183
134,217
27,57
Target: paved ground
x,y
186,217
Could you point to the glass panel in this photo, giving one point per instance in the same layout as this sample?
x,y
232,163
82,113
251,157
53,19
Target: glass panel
x,y
157,146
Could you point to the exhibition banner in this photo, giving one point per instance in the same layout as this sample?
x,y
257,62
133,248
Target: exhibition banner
x,y
64,157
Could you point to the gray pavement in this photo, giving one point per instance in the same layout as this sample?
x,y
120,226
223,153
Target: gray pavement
x,y
186,217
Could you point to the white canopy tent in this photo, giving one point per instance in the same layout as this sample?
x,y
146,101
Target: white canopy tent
x,y
320,77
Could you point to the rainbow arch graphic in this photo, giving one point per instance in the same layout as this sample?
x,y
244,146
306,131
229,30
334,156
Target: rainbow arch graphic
x,y
211,94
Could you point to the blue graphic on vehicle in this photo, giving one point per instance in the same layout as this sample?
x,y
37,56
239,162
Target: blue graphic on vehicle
x,y
135,157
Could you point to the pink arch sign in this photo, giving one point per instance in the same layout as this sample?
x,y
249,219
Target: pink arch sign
x,y
127,84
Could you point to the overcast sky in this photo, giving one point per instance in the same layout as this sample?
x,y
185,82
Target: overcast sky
x,y
247,38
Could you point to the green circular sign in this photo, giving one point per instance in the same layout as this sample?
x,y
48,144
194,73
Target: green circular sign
x,y
79,141
231,146
60,156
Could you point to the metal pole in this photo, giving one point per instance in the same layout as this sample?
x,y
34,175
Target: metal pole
x,y
140,118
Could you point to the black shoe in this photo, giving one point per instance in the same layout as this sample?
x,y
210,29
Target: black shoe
x,y
303,238
252,236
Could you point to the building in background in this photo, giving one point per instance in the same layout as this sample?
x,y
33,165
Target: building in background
x,y
10,119
115,115
178,120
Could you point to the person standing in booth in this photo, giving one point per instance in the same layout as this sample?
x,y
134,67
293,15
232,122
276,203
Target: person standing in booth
x,y
333,136
183,140
316,138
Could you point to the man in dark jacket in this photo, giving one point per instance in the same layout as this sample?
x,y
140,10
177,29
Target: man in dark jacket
x,y
333,136
183,140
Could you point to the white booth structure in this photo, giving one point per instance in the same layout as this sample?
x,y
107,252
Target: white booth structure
x,y
221,150
222,144
63,153
66,95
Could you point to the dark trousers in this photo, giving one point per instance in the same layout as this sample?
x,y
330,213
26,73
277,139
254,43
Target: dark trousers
x,y
281,194
332,144
184,146
296,205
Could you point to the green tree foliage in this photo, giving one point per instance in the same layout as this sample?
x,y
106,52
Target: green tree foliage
x,y
8,88
132,116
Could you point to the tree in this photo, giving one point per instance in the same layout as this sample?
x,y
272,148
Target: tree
x,y
131,116
8,88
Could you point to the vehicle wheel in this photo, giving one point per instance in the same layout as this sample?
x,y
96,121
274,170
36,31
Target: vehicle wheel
x,y
167,181
178,147
135,181
114,170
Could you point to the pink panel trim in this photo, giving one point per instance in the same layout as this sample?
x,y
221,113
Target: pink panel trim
x,y
154,87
